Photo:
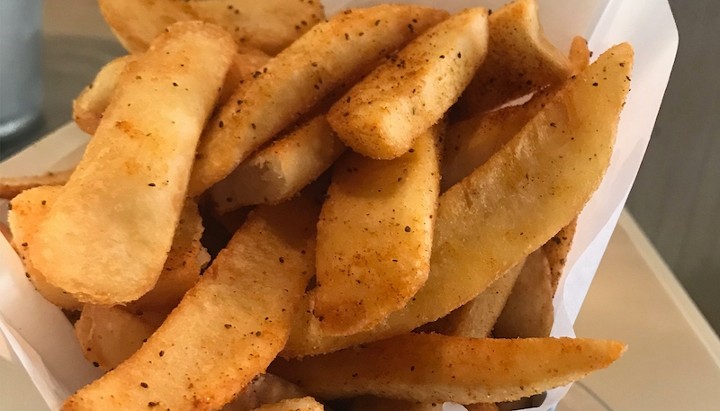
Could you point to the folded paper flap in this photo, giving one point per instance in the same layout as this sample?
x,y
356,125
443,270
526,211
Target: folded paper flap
x,y
44,341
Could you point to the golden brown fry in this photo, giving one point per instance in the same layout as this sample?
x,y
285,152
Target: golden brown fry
x,y
550,170
329,55
264,389
185,261
107,237
110,335
520,60
435,368
27,211
293,404
471,142
579,55
12,186
268,25
226,329
477,317
90,104
557,249
529,308
244,64
482,407
281,170
381,116
375,235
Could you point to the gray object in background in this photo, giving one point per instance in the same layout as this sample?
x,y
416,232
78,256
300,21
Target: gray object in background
x,y
676,197
20,75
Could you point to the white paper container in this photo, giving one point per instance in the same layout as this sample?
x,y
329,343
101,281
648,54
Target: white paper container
x,y
44,343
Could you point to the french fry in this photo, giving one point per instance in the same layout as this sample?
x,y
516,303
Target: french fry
x,y
471,142
264,389
549,170
228,328
268,25
381,116
90,104
387,404
520,60
529,308
185,261
27,210
181,270
293,404
244,64
437,368
557,249
281,170
13,186
107,237
375,234
476,318
579,55
330,54
110,335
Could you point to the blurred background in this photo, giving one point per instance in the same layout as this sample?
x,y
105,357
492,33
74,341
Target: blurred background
x,y
676,198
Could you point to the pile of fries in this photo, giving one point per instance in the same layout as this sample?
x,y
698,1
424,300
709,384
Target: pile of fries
x,y
277,210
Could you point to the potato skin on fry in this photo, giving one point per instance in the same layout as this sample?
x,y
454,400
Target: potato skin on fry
x,y
293,404
228,328
550,170
323,60
437,368
381,116
107,237
375,235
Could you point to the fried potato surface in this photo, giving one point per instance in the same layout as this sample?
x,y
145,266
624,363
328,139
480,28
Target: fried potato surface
x,y
294,404
557,249
579,55
375,235
13,186
321,61
264,389
549,169
185,261
437,368
27,211
529,308
90,104
228,328
520,60
107,236
381,116
476,318
280,171
269,25
110,335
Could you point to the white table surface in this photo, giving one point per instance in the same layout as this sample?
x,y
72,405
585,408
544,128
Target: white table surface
x,y
673,361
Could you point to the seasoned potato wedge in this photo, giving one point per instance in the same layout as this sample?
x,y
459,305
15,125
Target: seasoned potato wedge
x,y
520,60
110,335
529,308
375,235
106,243
321,61
381,116
90,104
437,368
268,25
13,186
281,170
27,211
